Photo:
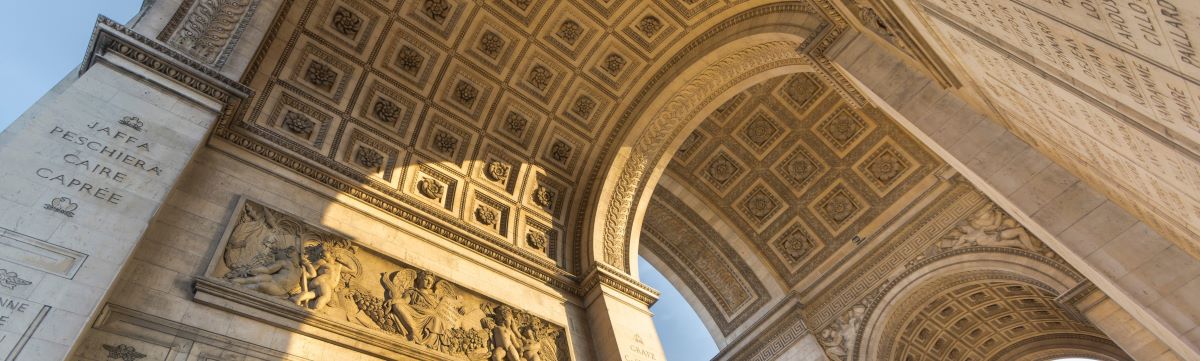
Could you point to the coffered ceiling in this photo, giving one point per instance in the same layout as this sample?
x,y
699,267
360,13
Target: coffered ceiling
x,y
488,117
798,171
979,321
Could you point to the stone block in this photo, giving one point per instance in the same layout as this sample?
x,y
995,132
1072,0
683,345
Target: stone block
x,y
1047,184
1129,250
1068,208
1097,228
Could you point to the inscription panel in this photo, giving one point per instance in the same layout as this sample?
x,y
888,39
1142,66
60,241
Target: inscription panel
x,y
1148,173
18,319
1136,52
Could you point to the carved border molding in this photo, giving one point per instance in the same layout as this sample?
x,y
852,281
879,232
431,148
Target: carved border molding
x,y
531,265
781,334
728,317
1090,343
110,36
619,280
181,339
902,247
1077,293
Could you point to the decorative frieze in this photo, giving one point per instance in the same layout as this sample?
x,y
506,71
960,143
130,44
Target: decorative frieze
x,y
273,262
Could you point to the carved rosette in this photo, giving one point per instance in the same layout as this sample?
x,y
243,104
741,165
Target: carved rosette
x,y
497,171
317,277
431,188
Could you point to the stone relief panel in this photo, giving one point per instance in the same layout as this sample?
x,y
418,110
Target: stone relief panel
x,y
840,338
725,285
799,170
273,262
208,30
989,227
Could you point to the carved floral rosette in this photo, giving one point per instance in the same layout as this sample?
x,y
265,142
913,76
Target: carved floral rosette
x,y
300,274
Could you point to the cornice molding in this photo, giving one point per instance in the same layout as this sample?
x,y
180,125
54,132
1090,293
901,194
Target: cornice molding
x,y
112,37
620,281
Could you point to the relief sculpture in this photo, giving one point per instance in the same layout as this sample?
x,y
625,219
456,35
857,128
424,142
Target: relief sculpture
x,y
840,338
989,227
307,271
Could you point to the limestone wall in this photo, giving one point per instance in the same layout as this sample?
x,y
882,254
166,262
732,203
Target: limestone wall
x,y
153,310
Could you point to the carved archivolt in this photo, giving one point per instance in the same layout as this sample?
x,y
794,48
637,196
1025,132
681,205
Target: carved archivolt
x,y
721,280
670,120
277,263
982,228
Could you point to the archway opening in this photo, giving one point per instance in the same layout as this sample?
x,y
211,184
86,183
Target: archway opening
x,y
681,331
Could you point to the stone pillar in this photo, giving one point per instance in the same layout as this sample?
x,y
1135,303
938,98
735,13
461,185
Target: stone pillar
x,y
1119,325
1154,281
618,310
84,171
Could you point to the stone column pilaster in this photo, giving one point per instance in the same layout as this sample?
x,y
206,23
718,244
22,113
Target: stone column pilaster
x,y
1117,323
84,171
618,310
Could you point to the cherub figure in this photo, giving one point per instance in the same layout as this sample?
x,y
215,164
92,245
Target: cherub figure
x,y
839,338
992,228
505,342
324,278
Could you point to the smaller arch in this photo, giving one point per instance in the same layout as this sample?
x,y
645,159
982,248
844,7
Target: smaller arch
x,y
1057,347
886,314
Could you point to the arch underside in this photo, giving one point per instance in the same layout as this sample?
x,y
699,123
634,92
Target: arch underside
x,y
541,144
493,138
985,320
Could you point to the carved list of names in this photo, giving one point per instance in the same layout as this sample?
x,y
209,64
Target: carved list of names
x,y
1107,88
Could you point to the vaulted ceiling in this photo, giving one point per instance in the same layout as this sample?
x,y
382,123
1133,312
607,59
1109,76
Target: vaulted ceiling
x,y
490,117
799,172
980,321
490,122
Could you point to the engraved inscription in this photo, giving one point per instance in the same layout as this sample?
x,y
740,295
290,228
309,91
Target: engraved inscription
x,y
108,156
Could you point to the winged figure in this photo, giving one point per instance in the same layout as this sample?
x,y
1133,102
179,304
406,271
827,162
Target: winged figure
x,y
425,307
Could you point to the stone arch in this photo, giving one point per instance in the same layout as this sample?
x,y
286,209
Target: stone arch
x,y
1054,348
736,55
886,313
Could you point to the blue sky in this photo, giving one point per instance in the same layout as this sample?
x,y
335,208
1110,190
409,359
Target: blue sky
x,y
44,40
683,336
